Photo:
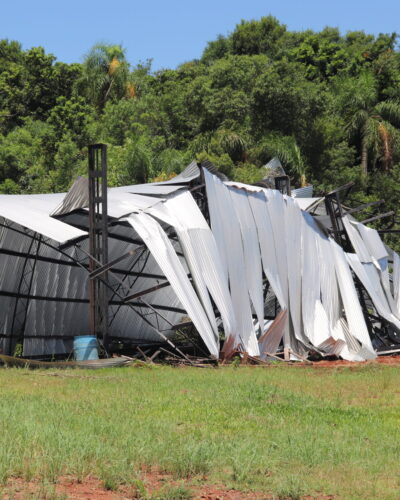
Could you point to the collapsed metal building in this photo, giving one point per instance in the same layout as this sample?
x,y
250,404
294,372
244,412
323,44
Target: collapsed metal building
x,y
252,269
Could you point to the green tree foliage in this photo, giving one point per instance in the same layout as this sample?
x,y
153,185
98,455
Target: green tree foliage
x,y
258,37
72,116
105,75
327,104
30,83
322,54
374,123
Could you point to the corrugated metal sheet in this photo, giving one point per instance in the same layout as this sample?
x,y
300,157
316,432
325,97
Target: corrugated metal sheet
x,y
252,230
32,212
202,256
304,192
353,311
293,224
251,250
230,246
307,203
163,252
356,240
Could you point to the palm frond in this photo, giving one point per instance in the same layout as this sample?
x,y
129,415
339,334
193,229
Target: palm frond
x,y
357,122
389,111
232,142
290,155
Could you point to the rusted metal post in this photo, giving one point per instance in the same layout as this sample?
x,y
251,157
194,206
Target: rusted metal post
x,y
98,241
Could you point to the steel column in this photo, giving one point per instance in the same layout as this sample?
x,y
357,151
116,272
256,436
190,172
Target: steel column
x,y
98,241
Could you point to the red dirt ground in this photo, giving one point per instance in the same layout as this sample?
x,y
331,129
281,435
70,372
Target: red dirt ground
x,y
91,488
154,482
381,360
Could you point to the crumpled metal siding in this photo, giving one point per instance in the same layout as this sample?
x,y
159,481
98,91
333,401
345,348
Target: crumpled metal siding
x,y
163,251
230,245
253,229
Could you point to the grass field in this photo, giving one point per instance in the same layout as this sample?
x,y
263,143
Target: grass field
x,y
282,431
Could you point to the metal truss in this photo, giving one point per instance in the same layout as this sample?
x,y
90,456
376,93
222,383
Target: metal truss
x,y
98,241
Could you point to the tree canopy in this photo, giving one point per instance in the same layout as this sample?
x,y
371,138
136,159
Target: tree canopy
x,y
327,104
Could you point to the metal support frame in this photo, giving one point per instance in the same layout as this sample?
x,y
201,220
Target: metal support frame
x,y
364,206
145,292
98,242
106,267
363,297
378,217
335,211
333,204
134,306
157,312
282,184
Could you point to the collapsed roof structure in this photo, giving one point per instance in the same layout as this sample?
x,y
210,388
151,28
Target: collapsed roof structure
x,y
261,269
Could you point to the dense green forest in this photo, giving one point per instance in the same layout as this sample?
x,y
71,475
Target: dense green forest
x,y
327,104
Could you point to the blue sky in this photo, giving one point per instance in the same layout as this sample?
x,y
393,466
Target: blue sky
x,y
175,31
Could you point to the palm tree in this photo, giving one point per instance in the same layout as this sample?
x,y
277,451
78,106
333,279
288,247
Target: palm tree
x,y
232,143
105,75
287,150
291,156
374,123
376,126
139,161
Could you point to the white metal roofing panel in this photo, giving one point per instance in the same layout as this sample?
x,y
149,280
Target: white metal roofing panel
x,y
229,241
77,197
306,203
251,250
276,206
170,213
216,209
245,187
374,289
31,211
329,284
374,275
120,203
321,327
351,348
356,240
304,192
199,246
311,279
43,202
148,189
258,205
190,173
372,240
354,314
182,210
396,280
161,248
293,225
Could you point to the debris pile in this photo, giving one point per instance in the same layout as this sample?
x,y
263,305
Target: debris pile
x,y
251,270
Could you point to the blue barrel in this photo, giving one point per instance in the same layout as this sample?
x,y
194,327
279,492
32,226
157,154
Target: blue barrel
x,y
85,348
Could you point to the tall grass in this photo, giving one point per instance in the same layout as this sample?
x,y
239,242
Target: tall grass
x,y
287,431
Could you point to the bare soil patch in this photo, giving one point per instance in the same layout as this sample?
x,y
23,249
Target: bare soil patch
x,y
381,360
156,484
